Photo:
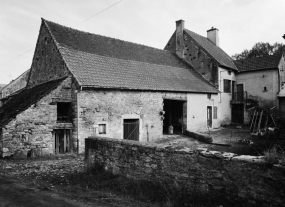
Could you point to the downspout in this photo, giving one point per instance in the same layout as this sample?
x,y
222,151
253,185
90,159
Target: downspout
x,y
220,86
77,106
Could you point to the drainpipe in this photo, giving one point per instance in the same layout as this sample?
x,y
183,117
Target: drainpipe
x,y
77,119
221,85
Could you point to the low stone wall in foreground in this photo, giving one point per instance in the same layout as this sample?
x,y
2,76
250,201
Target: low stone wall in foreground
x,y
243,178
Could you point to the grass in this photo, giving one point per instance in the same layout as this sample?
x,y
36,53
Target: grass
x,y
274,155
157,191
69,176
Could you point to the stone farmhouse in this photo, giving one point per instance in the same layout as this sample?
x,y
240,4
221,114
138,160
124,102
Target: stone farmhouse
x,y
260,82
81,84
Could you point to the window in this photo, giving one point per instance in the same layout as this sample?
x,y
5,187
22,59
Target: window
x,y
63,111
209,96
102,128
227,86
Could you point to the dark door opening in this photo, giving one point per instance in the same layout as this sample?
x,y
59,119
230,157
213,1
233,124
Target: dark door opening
x,y
209,116
174,115
240,92
237,113
62,141
131,129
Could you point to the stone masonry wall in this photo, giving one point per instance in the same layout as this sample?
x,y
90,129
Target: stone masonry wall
x,y
204,64
110,107
47,62
32,129
244,179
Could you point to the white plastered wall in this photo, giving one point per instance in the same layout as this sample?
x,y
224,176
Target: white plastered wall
x,y
225,98
197,111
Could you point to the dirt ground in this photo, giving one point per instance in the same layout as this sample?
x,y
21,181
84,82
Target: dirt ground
x,y
226,139
55,181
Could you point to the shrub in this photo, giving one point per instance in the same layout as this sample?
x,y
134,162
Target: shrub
x,y
273,156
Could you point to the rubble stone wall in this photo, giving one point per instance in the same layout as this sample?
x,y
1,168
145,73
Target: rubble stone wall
x,y
111,107
32,129
204,64
47,62
246,179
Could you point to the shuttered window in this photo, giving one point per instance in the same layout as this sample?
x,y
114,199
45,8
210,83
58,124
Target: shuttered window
x,y
215,112
227,86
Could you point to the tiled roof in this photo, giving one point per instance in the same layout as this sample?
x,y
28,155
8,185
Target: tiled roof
x,y
214,51
104,62
260,63
105,72
24,99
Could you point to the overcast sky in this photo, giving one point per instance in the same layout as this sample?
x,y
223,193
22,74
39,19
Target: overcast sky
x,y
241,23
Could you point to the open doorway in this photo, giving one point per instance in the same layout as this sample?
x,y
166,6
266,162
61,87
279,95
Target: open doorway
x,y
175,115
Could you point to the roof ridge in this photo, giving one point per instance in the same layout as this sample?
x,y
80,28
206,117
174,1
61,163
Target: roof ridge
x,y
254,58
105,36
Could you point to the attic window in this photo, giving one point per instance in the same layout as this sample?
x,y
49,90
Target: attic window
x,y
229,72
46,40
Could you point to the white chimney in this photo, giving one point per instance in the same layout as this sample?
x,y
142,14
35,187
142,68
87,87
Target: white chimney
x,y
179,38
213,36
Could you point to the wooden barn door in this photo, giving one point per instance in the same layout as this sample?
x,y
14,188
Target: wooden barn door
x,y
62,140
131,129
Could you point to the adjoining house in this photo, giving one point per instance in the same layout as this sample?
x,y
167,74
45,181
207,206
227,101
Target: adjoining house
x,y
215,65
260,82
1,88
81,84
13,87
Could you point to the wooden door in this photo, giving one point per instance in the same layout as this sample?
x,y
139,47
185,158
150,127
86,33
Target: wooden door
x,y
62,140
131,129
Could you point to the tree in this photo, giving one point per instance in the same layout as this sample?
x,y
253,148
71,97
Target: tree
x,y
260,49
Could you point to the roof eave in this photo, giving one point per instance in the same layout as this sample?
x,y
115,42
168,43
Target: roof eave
x,y
141,89
244,71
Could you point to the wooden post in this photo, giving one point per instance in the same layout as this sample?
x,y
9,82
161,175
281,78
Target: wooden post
x,y
53,144
70,141
57,141
64,141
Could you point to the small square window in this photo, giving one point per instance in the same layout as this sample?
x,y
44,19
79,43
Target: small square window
x,y
209,96
102,128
